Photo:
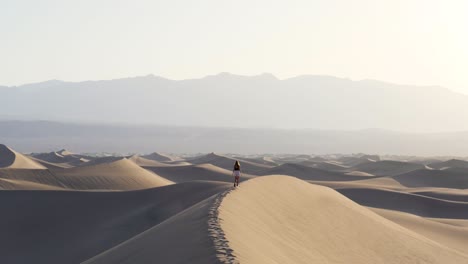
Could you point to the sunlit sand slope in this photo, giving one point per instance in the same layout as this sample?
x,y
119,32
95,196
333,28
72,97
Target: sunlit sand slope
x,y
278,219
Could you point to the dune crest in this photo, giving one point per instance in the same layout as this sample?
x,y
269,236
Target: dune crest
x,y
278,219
11,159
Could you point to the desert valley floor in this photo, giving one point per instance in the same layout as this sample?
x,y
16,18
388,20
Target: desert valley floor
x,y
62,207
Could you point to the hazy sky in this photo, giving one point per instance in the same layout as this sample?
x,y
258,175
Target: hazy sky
x,y
401,41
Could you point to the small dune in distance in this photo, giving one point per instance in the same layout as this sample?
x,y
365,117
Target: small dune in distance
x,y
165,208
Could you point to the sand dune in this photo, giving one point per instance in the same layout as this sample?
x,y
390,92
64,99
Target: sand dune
x,y
60,159
158,157
279,219
308,173
206,172
259,160
10,184
140,210
387,167
101,160
13,160
140,161
324,165
445,234
228,163
452,163
445,194
160,244
44,179
434,178
51,165
121,174
359,173
354,161
407,202
71,227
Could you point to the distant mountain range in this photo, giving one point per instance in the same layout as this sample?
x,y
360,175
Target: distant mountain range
x,y
42,136
227,100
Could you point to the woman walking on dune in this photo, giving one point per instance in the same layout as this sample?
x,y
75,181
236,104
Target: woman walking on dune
x,y
236,172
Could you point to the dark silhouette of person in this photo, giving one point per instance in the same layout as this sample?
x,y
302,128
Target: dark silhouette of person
x,y
236,172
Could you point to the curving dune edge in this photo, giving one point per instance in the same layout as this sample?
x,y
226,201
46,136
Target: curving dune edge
x,y
281,219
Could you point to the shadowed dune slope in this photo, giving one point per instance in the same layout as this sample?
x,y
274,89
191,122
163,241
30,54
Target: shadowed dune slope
x,y
228,163
184,238
206,172
70,227
21,179
387,167
446,194
9,184
61,158
407,202
308,173
434,178
453,163
325,165
278,219
13,160
52,166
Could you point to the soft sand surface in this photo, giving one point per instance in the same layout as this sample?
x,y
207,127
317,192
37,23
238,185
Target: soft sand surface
x,y
434,178
228,163
279,219
452,163
70,227
407,202
9,184
309,173
184,238
140,161
445,234
159,157
121,174
206,172
271,219
387,167
13,160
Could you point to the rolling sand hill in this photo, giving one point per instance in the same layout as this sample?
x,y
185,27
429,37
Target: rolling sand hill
x,y
279,219
434,178
446,234
140,161
444,194
120,174
228,163
10,159
453,163
407,202
387,167
354,161
158,157
259,160
62,159
71,227
324,165
205,172
308,173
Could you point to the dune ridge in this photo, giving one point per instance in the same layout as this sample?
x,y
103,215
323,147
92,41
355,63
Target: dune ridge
x,y
322,227
10,159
